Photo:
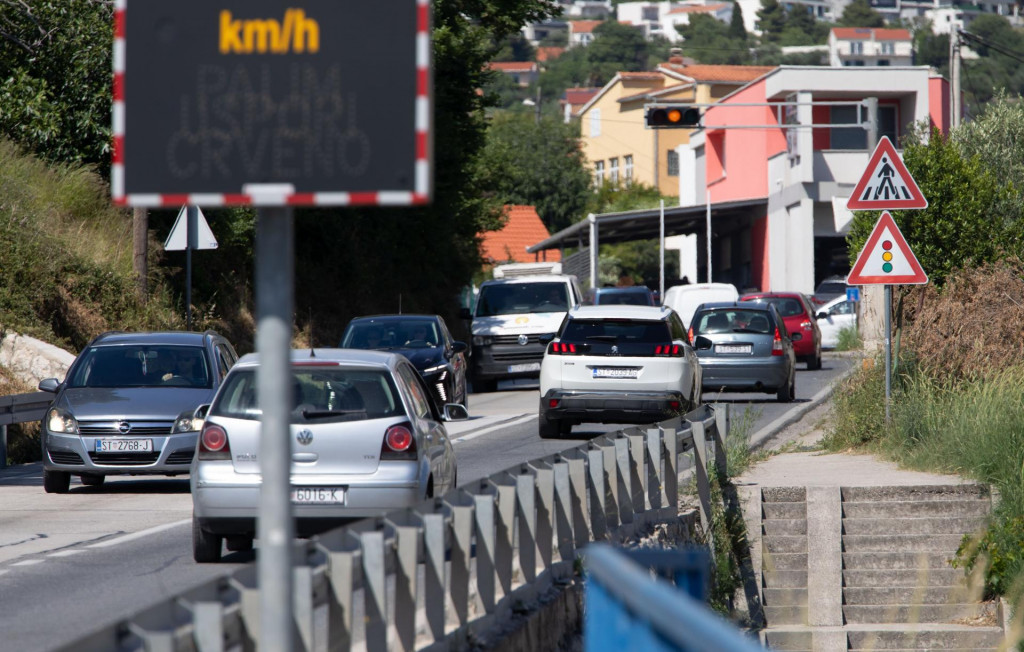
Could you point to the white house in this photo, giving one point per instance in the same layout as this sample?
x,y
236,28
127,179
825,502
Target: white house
x,y
870,46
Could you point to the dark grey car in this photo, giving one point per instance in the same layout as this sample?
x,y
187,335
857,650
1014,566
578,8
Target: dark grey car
x,y
125,407
744,347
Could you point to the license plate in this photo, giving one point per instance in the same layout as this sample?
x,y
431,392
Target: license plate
x,y
616,372
124,445
318,495
733,348
526,366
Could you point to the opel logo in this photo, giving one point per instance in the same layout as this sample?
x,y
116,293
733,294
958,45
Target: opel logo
x,y
124,427
305,437
523,340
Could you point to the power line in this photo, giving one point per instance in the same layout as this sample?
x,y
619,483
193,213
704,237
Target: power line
x,y
1017,56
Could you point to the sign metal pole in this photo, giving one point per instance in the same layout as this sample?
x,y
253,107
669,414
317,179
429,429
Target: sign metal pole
x,y
191,242
888,350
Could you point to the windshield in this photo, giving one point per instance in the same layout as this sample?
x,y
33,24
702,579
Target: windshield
x,y
319,395
627,336
787,307
522,298
411,333
142,366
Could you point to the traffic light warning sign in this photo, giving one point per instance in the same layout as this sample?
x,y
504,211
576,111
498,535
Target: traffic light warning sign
x,y
886,259
886,183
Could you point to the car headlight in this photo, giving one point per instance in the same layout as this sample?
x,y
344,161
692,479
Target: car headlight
x,y
186,422
61,421
435,369
483,340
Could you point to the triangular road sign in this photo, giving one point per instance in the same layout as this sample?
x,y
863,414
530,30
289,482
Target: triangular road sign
x,y
886,258
886,183
177,239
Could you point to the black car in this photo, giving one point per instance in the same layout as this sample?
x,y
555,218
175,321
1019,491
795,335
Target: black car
x,y
126,406
425,340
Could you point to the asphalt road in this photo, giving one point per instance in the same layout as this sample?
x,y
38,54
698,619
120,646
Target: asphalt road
x,y
73,562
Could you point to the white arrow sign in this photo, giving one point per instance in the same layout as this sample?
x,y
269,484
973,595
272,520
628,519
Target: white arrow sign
x,y
177,239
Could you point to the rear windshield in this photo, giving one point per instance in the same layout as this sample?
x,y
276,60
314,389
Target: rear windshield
x,y
732,320
629,336
787,306
522,298
318,394
638,298
150,365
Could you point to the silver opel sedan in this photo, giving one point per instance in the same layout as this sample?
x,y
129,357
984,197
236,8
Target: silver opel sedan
x,y
366,439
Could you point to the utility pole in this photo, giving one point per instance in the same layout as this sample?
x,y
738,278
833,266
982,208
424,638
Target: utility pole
x,y
954,77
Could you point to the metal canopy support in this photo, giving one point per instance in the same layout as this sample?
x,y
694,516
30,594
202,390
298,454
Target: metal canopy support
x,y
275,270
593,250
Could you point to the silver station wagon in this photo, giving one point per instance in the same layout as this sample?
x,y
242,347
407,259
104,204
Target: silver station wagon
x,y
366,439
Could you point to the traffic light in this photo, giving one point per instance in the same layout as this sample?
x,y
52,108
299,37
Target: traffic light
x,y
672,117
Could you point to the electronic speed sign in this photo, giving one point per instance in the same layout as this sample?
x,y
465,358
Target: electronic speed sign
x,y
330,101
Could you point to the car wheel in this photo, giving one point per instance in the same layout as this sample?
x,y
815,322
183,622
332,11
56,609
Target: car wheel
x,y
788,391
483,386
814,362
56,482
238,544
565,428
548,429
92,479
206,546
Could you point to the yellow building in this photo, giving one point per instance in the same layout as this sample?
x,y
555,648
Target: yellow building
x,y
618,145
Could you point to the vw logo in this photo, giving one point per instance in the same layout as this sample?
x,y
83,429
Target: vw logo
x,y
124,427
305,437
523,340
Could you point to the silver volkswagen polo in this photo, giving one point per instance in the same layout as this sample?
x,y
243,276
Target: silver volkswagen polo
x,y
366,439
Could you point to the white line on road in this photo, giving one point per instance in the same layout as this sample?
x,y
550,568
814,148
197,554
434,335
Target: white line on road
x,y
64,553
505,424
28,562
138,535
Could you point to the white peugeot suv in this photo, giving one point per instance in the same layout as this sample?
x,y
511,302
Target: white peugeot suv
x,y
617,364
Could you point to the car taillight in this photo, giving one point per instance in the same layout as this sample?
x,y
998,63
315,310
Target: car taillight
x,y
399,443
805,325
689,335
674,405
673,350
213,443
553,402
777,344
563,348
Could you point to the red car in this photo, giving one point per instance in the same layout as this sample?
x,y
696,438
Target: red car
x,y
798,313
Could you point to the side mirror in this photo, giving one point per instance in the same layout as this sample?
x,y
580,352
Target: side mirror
x,y
796,337
464,313
455,412
821,315
702,343
546,338
459,347
49,385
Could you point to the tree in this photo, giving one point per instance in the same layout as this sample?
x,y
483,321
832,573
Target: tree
x,y
771,20
802,29
515,48
996,137
737,29
616,47
55,63
536,164
708,40
859,13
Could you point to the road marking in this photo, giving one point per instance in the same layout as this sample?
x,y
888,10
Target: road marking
x,y
479,433
64,553
28,562
138,535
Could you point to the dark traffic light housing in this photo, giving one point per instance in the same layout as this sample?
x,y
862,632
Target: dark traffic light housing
x,y
669,117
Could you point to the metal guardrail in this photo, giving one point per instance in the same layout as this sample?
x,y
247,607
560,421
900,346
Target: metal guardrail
x,y
627,609
20,408
481,550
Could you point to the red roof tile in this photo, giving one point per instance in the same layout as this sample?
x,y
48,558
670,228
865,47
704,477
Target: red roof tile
x,y
868,33
548,53
583,26
719,72
524,228
513,66
580,95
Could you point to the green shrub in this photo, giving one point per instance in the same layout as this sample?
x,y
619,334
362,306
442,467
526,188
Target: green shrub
x,y
849,340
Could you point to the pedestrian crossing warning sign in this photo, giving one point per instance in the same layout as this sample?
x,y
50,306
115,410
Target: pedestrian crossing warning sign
x,y
886,183
886,258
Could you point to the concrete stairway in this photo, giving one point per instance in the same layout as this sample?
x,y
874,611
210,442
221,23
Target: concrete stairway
x,y
867,568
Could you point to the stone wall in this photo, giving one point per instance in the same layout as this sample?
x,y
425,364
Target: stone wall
x,y
31,360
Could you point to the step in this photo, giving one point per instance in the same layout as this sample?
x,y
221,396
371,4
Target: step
x,y
789,640
783,494
784,597
785,615
913,509
789,579
886,595
894,560
944,543
917,493
784,526
935,637
928,577
783,511
784,561
774,544
932,525
912,613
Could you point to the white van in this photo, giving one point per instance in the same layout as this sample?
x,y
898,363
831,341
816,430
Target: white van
x,y
685,299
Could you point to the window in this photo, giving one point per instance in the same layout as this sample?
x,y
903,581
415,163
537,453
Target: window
x,y
613,170
650,14
628,172
856,137
888,47
673,163
856,47
598,173
595,123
